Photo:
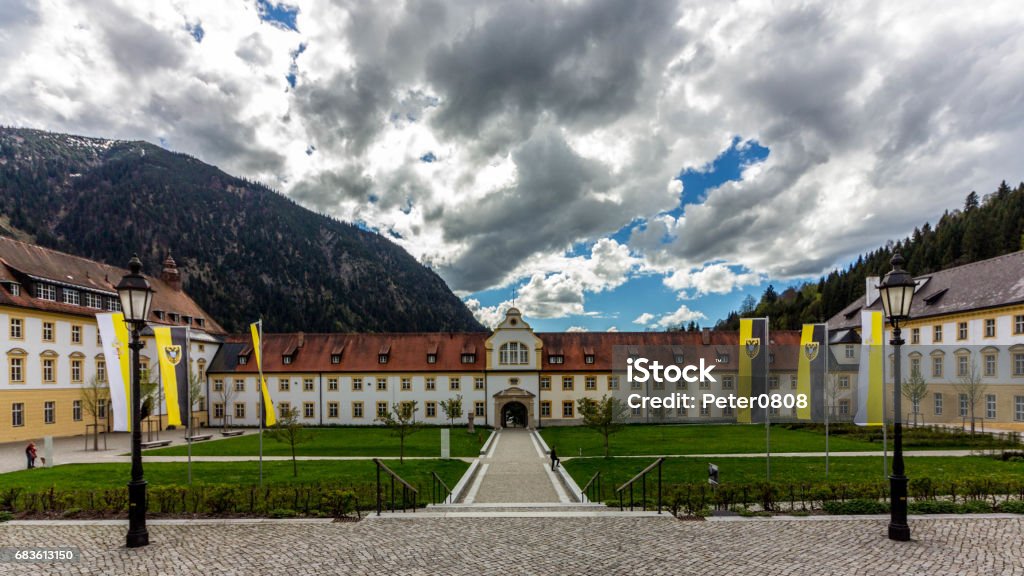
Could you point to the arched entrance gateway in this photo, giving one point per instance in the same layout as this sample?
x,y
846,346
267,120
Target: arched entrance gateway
x,y
514,408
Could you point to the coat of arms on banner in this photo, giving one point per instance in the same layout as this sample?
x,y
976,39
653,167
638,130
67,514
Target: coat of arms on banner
x,y
811,351
752,347
173,354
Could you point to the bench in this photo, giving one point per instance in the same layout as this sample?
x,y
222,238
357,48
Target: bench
x,y
232,433
155,444
199,437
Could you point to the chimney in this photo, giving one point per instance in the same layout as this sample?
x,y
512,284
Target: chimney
x,y
871,290
301,339
705,336
170,273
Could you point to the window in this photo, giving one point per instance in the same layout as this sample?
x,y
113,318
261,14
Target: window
x,y
915,336
1018,408
963,405
202,347
727,382
1018,364
723,358
635,411
962,365
990,328
357,409
239,385
101,370
382,409
915,365
705,385
17,369
590,382
308,409
567,408
71,296
243,360
49,371
76,371
307,385
15,289
773,382
335,358
240,410
49,412
990,406
454,383
76,410
553,359
990,364
961,331
431,409
382,382
916,404
844,382
849,351
1018,324
513,353
567,383
286,359
218,410
406,383
93,300
545,382
613,382
634,385
218,385
17,414
469,358
46,292
937,366
937,333
47,331
332,384
659,385
545,408
113,304
17,331
705,410
430,383
478,383
283,408
938,404
844,407
144,369
431,358
357,384
479,409
588,358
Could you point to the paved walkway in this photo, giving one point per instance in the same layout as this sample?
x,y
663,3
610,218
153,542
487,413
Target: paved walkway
x,y
520,546
516,470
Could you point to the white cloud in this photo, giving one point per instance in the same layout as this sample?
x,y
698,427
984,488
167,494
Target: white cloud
x,y
644,319
489,316
711,279
612,329
681,316
576,329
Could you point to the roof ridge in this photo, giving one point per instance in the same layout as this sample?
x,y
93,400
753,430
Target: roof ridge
x,y
969,264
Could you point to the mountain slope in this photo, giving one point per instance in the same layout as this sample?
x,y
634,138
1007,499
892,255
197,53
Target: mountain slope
x,y
246,250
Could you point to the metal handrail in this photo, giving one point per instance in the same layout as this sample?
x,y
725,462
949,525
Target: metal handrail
x,y
435,489
406,488
595,482
642,476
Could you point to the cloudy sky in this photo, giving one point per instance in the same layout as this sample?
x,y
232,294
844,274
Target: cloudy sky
x,y
615,164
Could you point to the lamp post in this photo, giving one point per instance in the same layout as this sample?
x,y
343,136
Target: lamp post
x,y
897,294
136,297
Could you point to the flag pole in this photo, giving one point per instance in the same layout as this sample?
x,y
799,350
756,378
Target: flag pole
x,y
825,382
188,401
259,386
885,413
768,410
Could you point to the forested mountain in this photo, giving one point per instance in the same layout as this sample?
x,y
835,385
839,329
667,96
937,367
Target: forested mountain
x,y
985,227
245,250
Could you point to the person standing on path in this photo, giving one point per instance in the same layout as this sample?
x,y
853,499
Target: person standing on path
x,y
554,458
30,454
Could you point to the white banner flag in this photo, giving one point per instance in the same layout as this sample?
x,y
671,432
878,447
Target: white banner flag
x,y
114,334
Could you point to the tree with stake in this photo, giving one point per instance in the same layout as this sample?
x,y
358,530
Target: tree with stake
x,y
970,386
289,429
915,389
606,416
93,395
402,421
452,408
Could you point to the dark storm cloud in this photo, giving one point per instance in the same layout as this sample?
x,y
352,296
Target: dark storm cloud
x,y
345,113
326,190
135,45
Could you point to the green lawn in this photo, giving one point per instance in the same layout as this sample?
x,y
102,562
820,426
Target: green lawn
x,y
354,441
636,440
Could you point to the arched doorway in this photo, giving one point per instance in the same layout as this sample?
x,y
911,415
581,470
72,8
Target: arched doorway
x,y
514,415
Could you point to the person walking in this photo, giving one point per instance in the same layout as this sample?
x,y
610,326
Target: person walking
x,y
30,454
554,458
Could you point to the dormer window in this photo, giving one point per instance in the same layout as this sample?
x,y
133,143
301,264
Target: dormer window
x,y
468,358
382,359
588,358
14,289
159,314
200,322
286,359
556,359
243,360
431,358
175,317
46,292
187,320
722,359
71,297
335,358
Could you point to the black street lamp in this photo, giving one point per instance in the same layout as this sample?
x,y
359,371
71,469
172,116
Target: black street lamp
x,y
136,297
897,294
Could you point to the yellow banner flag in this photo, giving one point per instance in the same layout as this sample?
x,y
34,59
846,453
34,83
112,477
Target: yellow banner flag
x,y
268,404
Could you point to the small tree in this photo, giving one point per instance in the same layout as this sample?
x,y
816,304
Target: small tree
x,y
915,389
225,395
969,385
606,416
452,408
289,429
92,393
402,421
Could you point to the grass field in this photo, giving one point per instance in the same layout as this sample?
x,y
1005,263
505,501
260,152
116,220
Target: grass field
x,y
336,472
637,440
354,441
